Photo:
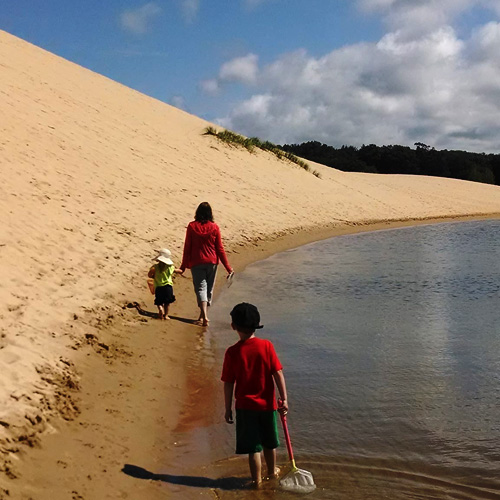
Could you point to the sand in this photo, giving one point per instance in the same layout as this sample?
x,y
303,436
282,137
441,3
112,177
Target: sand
x,y
95,178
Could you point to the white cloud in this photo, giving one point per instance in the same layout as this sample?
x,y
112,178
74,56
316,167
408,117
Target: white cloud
x,y
485,43
178,101
433,12
238,70
444,9
416,17
190,9
438,89
210,86
138,21
241,69
421,82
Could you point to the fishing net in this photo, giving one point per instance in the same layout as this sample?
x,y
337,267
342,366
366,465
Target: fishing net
x,y
298,480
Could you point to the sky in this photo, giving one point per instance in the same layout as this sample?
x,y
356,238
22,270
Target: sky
x,y
342,72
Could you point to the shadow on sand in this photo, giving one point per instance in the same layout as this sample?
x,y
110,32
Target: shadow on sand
x,y
150,314
225,483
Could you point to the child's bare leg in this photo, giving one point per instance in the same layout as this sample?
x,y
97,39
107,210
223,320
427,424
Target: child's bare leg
x,y
270,458
160,312
255,464
165,315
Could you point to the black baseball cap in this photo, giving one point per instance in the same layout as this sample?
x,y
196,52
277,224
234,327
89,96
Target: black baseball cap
x,y
246,315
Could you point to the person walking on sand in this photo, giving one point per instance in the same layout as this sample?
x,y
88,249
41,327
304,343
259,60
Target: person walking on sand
x,y
203,249
162,272
250,370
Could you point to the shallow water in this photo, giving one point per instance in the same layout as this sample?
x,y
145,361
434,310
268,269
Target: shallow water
x,y
391,346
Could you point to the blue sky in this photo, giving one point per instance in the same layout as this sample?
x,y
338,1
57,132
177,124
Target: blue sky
x,y
341,72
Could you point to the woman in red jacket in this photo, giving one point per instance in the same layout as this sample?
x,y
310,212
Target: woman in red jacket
x,y
202,251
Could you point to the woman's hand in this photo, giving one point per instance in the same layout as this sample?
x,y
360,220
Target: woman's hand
x,y
229,416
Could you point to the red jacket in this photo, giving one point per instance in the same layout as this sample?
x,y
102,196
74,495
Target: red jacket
x,y
203,245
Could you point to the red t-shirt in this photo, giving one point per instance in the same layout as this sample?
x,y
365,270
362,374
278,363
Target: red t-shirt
x,y
203,245
250,364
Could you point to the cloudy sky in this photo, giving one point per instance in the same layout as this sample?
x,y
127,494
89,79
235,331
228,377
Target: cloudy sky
x,y
338,71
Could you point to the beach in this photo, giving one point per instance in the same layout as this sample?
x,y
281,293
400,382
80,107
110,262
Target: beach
x,y
96,178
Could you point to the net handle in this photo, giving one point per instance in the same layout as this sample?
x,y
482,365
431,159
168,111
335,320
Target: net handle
x,y
287,434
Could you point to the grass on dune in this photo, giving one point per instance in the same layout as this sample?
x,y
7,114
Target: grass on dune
x,y
250,143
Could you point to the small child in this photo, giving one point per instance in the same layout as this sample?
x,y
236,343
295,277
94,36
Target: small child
x,y
253,366
162,272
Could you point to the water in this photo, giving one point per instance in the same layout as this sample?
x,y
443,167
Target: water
x,y
390,343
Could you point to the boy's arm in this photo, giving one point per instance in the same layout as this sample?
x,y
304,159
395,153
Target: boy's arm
x,y
151,273
279,379
228,401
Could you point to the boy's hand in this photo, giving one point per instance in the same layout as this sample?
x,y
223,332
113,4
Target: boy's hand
x,y
283,406
229,416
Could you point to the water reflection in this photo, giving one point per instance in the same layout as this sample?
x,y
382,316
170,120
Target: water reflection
x,y
391,351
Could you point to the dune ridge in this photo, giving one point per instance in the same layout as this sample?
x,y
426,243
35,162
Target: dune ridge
x,y
96,176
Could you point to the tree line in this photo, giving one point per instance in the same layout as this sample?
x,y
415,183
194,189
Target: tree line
x,y
423,160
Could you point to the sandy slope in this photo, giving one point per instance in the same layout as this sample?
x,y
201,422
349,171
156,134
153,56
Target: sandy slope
x,y
95,176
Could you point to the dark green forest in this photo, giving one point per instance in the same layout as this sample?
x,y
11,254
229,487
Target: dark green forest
x,y
423,160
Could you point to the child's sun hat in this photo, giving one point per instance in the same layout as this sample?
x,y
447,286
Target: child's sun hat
x,y
164,256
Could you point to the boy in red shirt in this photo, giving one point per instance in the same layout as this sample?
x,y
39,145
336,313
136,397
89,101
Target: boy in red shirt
x,y
253,366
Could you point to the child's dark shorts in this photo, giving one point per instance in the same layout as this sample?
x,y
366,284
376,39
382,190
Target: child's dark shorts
x,y
164,295
255,430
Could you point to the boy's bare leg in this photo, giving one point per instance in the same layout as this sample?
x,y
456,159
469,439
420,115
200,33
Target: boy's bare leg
x,y
255,464
165,315
270,458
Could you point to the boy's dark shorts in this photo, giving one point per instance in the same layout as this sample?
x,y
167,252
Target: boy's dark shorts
x,y
255,430
164,295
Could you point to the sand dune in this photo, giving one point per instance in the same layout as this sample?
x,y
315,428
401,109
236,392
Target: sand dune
x,y
95,176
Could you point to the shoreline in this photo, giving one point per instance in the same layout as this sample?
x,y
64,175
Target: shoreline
x,y
130,373
264,248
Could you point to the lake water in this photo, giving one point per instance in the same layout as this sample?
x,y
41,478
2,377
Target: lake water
x,y
390,343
